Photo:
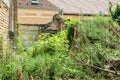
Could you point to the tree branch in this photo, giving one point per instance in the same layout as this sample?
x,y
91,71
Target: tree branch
x,y
95,67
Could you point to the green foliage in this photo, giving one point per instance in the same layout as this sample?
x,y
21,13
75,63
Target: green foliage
x,y
97,41
1,44
9,71
50,57
44,66
71,23
115,13
97,29
18,42
50,44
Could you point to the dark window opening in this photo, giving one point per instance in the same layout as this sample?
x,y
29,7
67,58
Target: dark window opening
x,y
34,2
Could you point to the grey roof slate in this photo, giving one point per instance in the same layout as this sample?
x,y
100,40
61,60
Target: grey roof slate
x,y
84,6
88,7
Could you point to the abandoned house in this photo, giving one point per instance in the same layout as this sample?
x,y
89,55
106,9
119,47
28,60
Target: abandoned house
x,y
33,14
33,17
8,20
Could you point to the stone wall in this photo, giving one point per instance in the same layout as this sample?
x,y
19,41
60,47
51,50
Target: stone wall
x,y
28,35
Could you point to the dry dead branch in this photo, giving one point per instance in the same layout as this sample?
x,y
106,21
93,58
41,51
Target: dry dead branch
x,y
82,63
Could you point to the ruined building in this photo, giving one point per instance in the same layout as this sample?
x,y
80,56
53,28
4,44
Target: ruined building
x,y
8,21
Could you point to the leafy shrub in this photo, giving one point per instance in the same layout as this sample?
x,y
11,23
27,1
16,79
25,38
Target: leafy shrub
x,y
115,13
97,41
18,42
1,44
51,59
50,44
71,23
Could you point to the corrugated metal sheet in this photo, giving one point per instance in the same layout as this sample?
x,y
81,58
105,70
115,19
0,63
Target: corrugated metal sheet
x,y
84,6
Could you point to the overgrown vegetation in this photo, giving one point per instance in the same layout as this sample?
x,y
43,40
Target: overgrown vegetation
x,y
53,57
115,13
19,46
1,44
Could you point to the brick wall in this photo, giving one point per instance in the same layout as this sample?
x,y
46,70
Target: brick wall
x,y
35,16
4,23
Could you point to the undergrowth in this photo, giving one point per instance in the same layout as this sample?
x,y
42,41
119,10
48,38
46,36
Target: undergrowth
x,y
50,58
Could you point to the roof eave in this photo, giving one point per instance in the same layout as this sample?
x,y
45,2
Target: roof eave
x,y
84,14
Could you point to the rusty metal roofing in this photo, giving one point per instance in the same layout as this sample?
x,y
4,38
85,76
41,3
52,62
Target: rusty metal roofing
x,y
84,6
42,4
